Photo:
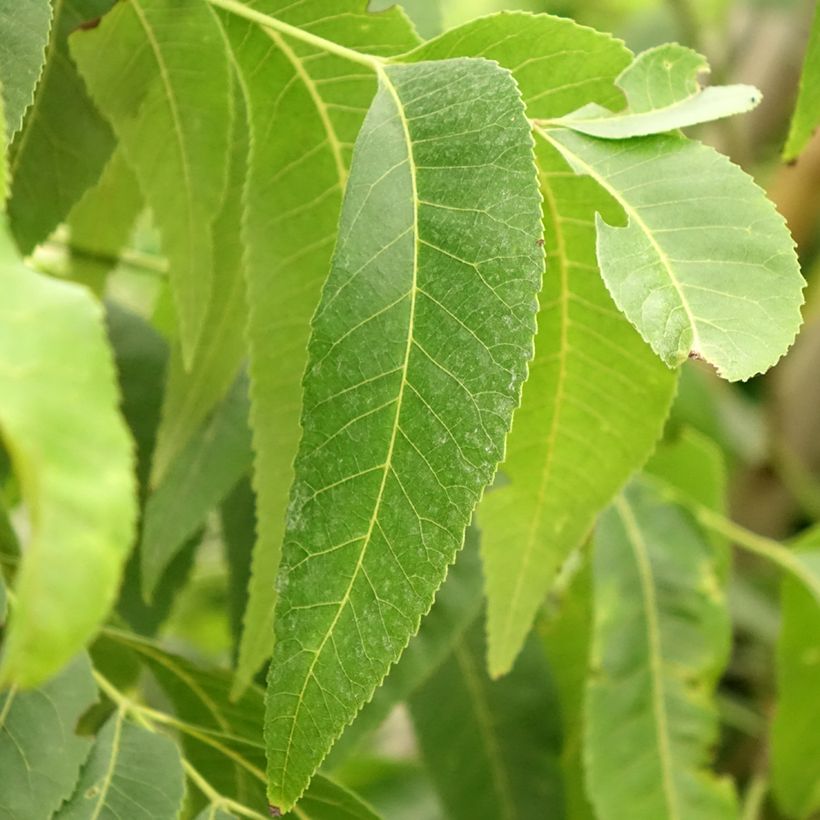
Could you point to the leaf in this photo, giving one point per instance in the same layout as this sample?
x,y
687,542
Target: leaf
x,y
306,108
73,458
101,223
564,460
457,605
418,351
212,462
64,143
661,638
22,54
131,773
191,394
491,744
663,94
40,755
694,276
158,70
807,111
795,746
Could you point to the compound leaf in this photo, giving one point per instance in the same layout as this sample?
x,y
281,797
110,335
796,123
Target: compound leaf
x,y
705,265
73,455
22,54
663,93
131,772
158,70
40,754
306,107
418,351
661,637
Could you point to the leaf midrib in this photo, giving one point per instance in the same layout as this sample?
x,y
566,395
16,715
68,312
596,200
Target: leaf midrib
x,y
112,764
385,79
653,636
632,213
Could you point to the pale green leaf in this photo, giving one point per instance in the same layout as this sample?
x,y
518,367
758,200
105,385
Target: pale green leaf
x,y
491,747
419,348
40,755
25,28
60,420
191,394
101,223
577,435
158,70
457,605
806,115
64,143
705,265
131,773
663,94
306,108
206,470
795,742
661,638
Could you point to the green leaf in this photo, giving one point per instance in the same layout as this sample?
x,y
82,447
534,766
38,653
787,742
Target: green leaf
x,y
40,755
326,800
101,223
131,773
491,745
457,605
64,143
695,276
661,639
663,94
73,458
22,54
191,394
158,70
807,112
306,108
208,467
419,348
564,462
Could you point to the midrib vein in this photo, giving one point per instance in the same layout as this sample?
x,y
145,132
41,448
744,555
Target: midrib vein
x,y
485,727
112,764
639,550
318,102
633,214
552,435
385,79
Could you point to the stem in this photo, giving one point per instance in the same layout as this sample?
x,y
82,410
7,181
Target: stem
x,y
264,20
754,797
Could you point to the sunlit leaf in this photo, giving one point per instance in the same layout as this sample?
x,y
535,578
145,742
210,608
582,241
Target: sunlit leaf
x,y
807,112
661,639
40,754
418,351
72,454
705,265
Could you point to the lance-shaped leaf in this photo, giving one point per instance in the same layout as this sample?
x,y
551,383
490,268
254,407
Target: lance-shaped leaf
x,y
64,143
565,458
419,348
705,265
73,457
807,112
40,753
491,743
191,394
661,638
663,93
22,53
131,772
795,746
158,70
305,107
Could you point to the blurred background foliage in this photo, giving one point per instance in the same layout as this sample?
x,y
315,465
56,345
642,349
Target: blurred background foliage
x,y
767,428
